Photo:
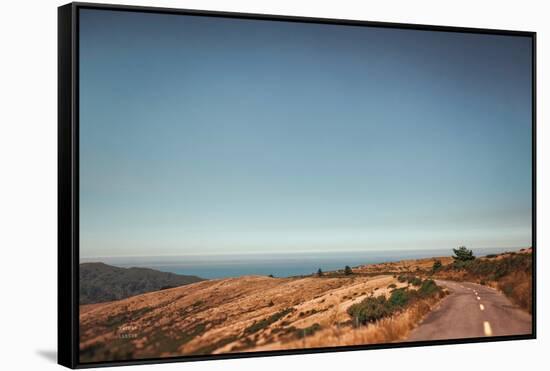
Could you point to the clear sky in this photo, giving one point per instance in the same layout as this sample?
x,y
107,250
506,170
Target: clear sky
x,y
207,135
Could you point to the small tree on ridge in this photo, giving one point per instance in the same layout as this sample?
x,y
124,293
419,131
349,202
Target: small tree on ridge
x,y
462,254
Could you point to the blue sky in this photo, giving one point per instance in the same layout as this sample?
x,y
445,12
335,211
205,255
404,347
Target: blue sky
x,y
207,135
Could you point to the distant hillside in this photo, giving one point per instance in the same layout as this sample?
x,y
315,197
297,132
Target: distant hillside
x,y
100,282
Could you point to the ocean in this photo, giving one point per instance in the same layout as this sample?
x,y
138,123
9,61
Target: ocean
x,y
278,265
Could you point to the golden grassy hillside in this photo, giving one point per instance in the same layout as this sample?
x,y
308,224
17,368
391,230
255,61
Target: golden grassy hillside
x,y
240,314
403,266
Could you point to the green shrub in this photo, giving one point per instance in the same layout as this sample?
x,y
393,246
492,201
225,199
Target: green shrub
x,y
370,309
428,288
348,270
308,331
399,298
415,281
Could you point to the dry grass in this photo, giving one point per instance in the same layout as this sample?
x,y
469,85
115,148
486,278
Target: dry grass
x,y
213,316
387,330
518,286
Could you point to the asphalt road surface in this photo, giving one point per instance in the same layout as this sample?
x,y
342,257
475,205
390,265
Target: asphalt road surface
x,y
472,310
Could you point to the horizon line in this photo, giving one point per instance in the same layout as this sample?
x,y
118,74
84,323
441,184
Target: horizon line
x,y
212,254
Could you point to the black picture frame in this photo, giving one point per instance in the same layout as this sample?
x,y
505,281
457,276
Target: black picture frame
x,y
68,181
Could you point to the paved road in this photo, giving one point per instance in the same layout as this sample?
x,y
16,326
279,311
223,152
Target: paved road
x,y
472,310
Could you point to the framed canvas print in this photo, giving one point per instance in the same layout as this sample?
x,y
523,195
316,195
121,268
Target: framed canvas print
x,y
237,185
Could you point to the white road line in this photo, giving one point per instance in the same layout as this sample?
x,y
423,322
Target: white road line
x,y
487,328
481,307
478,298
